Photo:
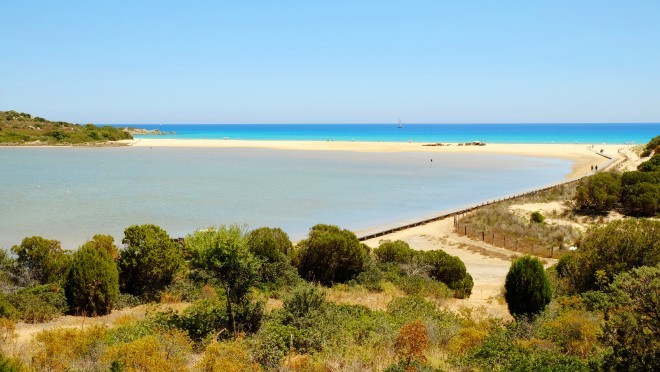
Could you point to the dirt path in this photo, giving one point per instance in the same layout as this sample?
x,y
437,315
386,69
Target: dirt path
x,y
487,264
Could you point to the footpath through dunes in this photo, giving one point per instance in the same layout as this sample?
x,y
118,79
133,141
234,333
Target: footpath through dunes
x,y
487,263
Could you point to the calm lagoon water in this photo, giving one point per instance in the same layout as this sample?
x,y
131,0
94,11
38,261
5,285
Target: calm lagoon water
x,y
70,194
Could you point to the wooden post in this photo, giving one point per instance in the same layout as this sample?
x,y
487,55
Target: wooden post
x,y
492,241
465,230
483,236
504,241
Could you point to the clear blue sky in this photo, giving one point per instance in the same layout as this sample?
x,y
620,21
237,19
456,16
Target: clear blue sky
x,y
331,61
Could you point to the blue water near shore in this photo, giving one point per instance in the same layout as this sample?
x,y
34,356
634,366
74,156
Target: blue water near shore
x,y
70,194
489,133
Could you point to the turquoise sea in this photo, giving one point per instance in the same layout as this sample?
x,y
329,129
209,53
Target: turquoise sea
x,y
490,133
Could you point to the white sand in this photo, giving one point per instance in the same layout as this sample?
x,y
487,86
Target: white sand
x,y
581,156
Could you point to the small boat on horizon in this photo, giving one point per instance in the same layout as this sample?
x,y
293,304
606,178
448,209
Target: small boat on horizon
x,y
400,124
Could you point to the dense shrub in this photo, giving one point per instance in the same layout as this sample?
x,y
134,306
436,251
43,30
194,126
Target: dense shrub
x,y
67,349
651,165
303,299
651,146
228,357
640,193
536,217
527,287
597,194
149,261
160,352
609,250
222,253
451,271
330,255
39,303
396,251
632,325
273,247
40,261
92,286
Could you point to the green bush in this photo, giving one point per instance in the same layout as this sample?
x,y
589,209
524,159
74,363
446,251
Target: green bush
x,y
651,165
652,145
330,255
451,271
609,250
149,261
632,321
304,299
527,287
640,193
223,255
393,252
273,247
597,194
39,303
536,217
40,261
92,286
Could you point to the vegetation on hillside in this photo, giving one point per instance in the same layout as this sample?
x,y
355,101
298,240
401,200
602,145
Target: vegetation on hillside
x,y
17,128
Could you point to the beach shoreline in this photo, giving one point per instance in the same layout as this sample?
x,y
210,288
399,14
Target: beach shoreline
x,y
582,156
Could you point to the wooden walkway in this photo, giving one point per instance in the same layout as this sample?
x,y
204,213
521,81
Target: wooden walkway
x,y
611,161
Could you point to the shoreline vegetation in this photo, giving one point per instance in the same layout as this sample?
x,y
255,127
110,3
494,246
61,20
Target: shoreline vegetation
x,y
21,129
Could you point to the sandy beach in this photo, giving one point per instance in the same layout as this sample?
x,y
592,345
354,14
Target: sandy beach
x,y
582,155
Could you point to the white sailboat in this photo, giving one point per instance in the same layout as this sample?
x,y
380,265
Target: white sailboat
x,y
400,125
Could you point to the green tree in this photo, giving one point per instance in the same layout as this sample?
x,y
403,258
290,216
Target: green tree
x,y
597,194
396,251
273,247
92,285
651,165
609,250
640,193
330,255
527,287
223,254
652,145
105,243
149,261
40,261
632,320
451,271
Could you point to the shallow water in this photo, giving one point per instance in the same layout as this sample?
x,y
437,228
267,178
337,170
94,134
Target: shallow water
x,y
70,194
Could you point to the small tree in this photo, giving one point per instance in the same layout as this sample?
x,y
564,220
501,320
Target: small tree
x,y
527,287
273,247
92,285
396,251
149,261
40,261
536,217
412,342
632,321
451,271
223,254
609,250
329,255
597,194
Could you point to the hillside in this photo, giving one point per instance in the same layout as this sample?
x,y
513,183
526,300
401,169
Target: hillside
x,y
17,128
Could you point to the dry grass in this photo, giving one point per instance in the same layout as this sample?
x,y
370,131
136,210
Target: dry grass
x,y
359,295
499,226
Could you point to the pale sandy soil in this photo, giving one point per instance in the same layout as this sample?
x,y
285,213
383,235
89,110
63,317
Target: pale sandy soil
x,y
487,264
580,154
552,211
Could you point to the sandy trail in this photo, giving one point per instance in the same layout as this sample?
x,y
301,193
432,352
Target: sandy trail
x,y
487,264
